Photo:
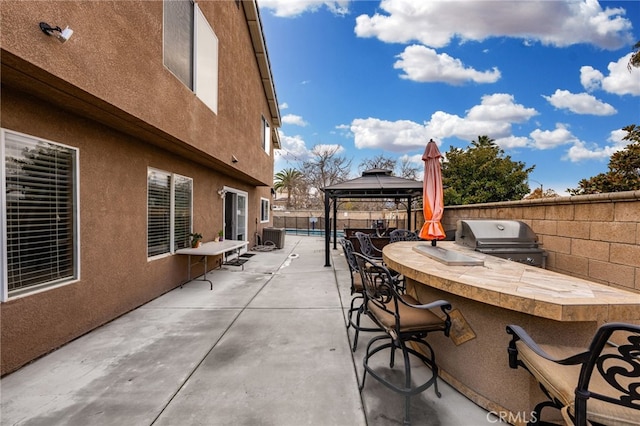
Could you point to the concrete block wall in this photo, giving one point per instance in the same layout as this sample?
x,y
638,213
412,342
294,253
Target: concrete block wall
x,y
596,237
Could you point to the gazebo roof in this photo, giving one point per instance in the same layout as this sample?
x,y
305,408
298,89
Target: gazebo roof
x,y
375,183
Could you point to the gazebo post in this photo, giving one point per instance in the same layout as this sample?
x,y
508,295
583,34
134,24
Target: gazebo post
x,y
409,213
335,223
327,229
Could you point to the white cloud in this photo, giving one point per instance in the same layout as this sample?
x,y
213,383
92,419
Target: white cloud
x,y
548,139
443,125
582,151
293,148
284,105
579,152
616,137
327,148
620,80
500,107
399,136
557,23
493,117
579,103
590,78
292,8
293,119
423,64
512,142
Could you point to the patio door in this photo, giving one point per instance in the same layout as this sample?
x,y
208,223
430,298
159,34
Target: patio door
x,y
235,215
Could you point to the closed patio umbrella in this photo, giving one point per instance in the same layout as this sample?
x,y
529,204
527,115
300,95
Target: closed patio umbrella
x,y
433,198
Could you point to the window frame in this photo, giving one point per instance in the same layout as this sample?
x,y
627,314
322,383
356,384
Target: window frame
x,y
74,228
265,210
173,245
203,57
266,135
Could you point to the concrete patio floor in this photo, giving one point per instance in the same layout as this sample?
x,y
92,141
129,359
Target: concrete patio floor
x,y
267,346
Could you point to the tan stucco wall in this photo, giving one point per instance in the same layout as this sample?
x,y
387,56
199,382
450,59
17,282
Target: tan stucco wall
x,y
106,92
116,275
112,68
596,237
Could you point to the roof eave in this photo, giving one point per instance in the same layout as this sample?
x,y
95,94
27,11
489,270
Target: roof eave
x,y
262,56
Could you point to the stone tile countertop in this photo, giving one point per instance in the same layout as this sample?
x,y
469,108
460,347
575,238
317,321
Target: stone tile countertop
x,y
513,285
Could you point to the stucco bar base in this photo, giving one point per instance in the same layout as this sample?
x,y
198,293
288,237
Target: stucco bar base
x,y
479,367
553,308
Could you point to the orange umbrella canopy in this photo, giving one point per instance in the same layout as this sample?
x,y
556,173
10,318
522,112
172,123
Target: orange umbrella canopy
x,y
433,198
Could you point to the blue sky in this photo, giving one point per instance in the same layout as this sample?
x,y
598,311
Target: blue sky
x,y
548,80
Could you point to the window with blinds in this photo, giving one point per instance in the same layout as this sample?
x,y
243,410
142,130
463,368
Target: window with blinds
x,y
40,198
183,209
169,212
158,212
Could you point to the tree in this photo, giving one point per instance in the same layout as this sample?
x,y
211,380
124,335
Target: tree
x,y
624,169
635,58
378,162
482,174
539,193
288,180
408,170
325,168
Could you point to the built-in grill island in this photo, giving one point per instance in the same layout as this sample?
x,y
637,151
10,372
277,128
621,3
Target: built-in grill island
x,y
508,239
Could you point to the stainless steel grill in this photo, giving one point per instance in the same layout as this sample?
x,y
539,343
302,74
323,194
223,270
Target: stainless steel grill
x,y
508,239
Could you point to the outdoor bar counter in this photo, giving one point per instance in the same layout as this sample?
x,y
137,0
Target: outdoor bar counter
x,y
551,307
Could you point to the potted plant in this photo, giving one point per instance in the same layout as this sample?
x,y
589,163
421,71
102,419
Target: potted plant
x,y
195,239
221,235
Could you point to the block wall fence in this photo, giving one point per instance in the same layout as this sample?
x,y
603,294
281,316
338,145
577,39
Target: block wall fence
x,y
596,237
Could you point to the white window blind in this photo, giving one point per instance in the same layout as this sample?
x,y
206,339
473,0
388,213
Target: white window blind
x,y
206,62
158,213
169,212
183,208
41,212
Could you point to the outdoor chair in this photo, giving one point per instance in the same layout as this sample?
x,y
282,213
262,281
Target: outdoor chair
x,y
357,292
597,385
403,235
404,321
367,248
374,254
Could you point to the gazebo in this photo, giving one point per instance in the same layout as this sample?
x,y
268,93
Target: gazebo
x,y
373,184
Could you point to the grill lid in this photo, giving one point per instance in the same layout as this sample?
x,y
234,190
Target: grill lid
x,y
479,234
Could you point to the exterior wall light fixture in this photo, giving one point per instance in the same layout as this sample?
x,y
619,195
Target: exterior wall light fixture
x,y
59,33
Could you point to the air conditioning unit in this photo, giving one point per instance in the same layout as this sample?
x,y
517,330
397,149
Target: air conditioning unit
x,y
275,235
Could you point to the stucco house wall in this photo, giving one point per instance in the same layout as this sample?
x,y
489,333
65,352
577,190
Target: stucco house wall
x,y
107,93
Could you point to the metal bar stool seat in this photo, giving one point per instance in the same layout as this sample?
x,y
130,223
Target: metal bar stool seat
x,y
357,290
598,385
404,320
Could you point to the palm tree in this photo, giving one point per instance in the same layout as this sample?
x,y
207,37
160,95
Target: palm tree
x,y
635,58
287,179
484,141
